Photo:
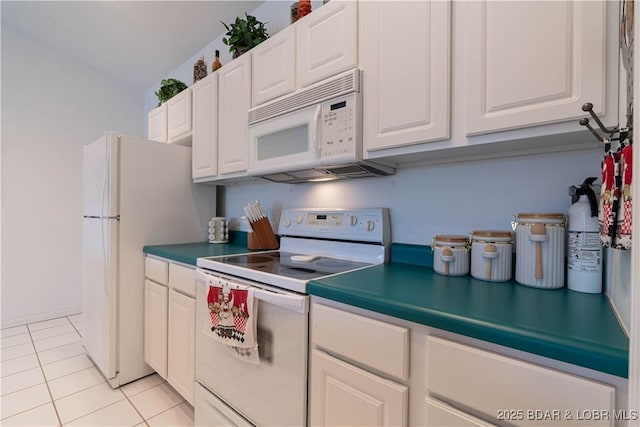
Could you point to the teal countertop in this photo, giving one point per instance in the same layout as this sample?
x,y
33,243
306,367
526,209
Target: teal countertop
x,y
573,327
188,253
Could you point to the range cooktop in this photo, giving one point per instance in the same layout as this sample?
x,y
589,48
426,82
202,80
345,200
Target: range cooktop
x,y
292,265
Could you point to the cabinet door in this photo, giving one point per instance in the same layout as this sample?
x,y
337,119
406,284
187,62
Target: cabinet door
x,y
155,326
179,116
343,395
274,67
234,102
205,127
327,41
182,344
406,93
530,63
157,124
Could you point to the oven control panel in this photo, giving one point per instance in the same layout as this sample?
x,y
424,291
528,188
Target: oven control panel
x,y
361,225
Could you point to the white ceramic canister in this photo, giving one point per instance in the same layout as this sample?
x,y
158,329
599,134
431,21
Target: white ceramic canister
x,y
540,248
451,255
491,254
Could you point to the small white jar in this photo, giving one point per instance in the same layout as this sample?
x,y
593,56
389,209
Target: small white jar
x,y
540,249
491,254
451,255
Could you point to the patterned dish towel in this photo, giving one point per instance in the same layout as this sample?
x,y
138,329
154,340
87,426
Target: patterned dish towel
x,y
233,316
615,214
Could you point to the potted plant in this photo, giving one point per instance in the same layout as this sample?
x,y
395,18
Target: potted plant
x,y
244,34
168,89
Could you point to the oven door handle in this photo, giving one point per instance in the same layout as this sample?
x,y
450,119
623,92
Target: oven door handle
x,y
297,303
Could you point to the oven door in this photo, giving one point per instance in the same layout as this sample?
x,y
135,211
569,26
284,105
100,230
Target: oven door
x,y
283,142
274,391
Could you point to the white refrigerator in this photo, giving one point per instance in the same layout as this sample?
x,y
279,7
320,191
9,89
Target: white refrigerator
x,y
135,192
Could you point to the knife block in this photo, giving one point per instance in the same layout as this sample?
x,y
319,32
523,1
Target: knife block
x,y
262,237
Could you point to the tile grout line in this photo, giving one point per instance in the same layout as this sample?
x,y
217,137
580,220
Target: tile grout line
x,y
144,420
46,383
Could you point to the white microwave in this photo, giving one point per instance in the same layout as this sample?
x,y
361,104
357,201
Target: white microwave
x,y
312,135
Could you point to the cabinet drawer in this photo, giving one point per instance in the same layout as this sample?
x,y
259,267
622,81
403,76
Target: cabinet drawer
x,y
182,279
442,415
371,342
156,270
493,384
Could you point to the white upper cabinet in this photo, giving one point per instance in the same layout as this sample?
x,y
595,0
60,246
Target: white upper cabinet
x,y
529,63
327,41
405,54
205,127
179,118
234,102
157,124
274,67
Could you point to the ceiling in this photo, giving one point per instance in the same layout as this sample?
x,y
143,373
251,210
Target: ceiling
x,y
137,42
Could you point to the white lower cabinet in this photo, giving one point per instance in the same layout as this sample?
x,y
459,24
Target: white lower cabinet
x,y
169,326
368,368
369,394
182,343
504,389
155,326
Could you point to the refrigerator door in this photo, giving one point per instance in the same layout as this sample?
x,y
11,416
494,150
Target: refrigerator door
x,y
100,177
99,293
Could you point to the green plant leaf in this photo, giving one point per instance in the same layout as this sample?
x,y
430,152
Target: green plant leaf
x,y
244,34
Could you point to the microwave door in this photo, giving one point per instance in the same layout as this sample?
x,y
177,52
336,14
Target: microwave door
x,y
285,142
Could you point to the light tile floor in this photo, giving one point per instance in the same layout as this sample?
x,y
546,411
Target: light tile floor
x,y
48,380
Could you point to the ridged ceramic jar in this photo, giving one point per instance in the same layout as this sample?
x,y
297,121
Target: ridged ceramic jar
x,y
451,255
540,248
491,255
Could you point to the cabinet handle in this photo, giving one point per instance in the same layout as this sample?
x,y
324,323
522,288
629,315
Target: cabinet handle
x,y
316,129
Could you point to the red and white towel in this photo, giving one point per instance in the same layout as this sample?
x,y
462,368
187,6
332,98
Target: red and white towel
x,y
616,204
233,319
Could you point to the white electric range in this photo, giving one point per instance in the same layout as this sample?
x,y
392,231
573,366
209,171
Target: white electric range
x,y
270,387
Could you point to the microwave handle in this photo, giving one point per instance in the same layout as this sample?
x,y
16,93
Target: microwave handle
x,y
316,129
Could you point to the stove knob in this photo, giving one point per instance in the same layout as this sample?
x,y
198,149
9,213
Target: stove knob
x,y
354,220
371,225
299,218
287,222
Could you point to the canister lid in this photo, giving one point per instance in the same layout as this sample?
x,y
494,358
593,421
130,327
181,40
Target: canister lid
x,y
492,234
452,239
548,218
541,215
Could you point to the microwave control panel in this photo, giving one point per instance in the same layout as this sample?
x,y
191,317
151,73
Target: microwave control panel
x,y
340,120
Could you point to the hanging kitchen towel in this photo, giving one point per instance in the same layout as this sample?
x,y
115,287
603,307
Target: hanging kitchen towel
x,y
624,218
608,192
233,319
